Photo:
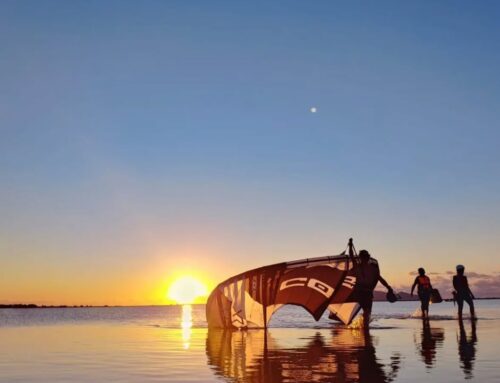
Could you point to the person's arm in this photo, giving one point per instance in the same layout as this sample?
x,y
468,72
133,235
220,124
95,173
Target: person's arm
x,y
455,283
468,288
384,283
414,285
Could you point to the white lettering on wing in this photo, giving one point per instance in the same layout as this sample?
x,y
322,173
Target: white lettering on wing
x,y
320,287
312,283
293,282
349,282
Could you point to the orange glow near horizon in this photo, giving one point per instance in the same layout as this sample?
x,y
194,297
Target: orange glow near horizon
x,y
186,290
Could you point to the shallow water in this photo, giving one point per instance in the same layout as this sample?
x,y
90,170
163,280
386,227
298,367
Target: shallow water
x,y
172,344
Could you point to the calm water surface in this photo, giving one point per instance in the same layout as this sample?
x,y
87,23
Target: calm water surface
x,y
172,344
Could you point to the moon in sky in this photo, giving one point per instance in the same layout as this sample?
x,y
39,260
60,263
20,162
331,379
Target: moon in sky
x,y
313,109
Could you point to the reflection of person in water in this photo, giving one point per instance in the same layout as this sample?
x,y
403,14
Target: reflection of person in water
x,y
430,340
370,370
254,356
467,348
424,291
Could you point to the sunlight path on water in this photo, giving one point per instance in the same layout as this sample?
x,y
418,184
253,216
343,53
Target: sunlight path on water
x,y
172,344
186,324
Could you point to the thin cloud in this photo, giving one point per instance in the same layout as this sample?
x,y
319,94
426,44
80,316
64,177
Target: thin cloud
x,y
482,285
415,272
487,287
478,275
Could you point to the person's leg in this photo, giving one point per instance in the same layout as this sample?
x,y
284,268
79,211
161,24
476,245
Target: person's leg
x,y
425,304
367,313
366,317
422,306
460,303
470,302
367,309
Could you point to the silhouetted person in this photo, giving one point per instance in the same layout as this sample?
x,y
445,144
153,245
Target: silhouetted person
x,y
424,291
367,277
462,292
467,349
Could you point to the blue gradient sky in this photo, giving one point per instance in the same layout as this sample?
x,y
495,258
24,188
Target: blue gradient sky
x,y
142,140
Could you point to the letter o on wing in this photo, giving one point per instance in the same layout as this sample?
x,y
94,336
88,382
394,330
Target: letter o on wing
x,y
320,287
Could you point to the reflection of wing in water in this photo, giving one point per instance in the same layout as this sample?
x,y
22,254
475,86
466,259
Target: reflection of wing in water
x,y
467,349
254,356
431,338
237,354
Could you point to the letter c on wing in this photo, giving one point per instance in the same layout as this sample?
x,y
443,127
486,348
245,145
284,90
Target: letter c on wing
x,y
293,282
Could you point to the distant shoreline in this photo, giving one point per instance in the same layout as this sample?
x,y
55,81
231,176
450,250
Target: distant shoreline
x,y
35,306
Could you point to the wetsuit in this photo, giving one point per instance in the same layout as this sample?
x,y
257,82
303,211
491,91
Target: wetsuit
x,y
367,276
463,293
424,291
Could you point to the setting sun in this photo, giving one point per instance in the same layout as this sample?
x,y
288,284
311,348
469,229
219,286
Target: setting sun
x,y
186,289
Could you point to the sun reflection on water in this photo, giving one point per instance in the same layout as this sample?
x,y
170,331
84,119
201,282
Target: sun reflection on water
x,y
186,325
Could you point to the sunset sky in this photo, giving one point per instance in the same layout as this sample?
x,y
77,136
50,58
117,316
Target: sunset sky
x,y
144,141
